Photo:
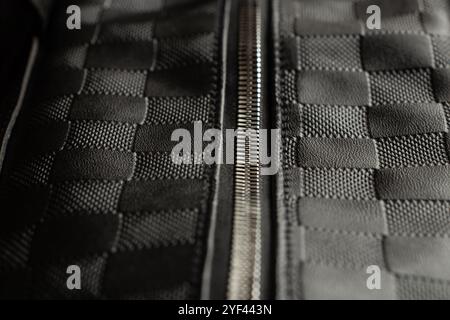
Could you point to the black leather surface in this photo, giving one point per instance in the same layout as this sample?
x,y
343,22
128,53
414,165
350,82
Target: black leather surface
x,y
365,146
88,178
366,159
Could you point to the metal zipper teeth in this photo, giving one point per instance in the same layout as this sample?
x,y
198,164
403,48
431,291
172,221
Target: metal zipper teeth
x,y
245,268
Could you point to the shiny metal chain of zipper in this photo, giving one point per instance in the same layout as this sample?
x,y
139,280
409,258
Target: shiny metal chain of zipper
x,y
245,268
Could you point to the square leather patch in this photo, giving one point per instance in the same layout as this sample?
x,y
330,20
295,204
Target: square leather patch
x,y
396,51
333,87
405,118
181,82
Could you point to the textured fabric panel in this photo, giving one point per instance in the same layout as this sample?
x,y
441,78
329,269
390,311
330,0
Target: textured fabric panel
x,y
108,82
441,45
157,229
401,86
90,180
167,110
416,288
441,81
100,135
364,117
152,166
34,171
327,121
339,183
422,218
53,110
413,150
15,250
329,53
91,196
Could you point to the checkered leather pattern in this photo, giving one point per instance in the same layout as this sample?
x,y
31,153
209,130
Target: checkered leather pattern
x,y
366,174
90,182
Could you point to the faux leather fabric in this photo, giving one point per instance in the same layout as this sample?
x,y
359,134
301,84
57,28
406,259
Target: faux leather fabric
x,y
366,169
89,179
364,181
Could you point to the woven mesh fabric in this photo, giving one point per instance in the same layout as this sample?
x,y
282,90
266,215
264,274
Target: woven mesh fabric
x,y
365,149
89,180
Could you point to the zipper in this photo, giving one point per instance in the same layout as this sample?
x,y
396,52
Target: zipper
x,y
245,261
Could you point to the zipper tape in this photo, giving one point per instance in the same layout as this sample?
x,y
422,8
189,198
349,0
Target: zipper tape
x,y
245,269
